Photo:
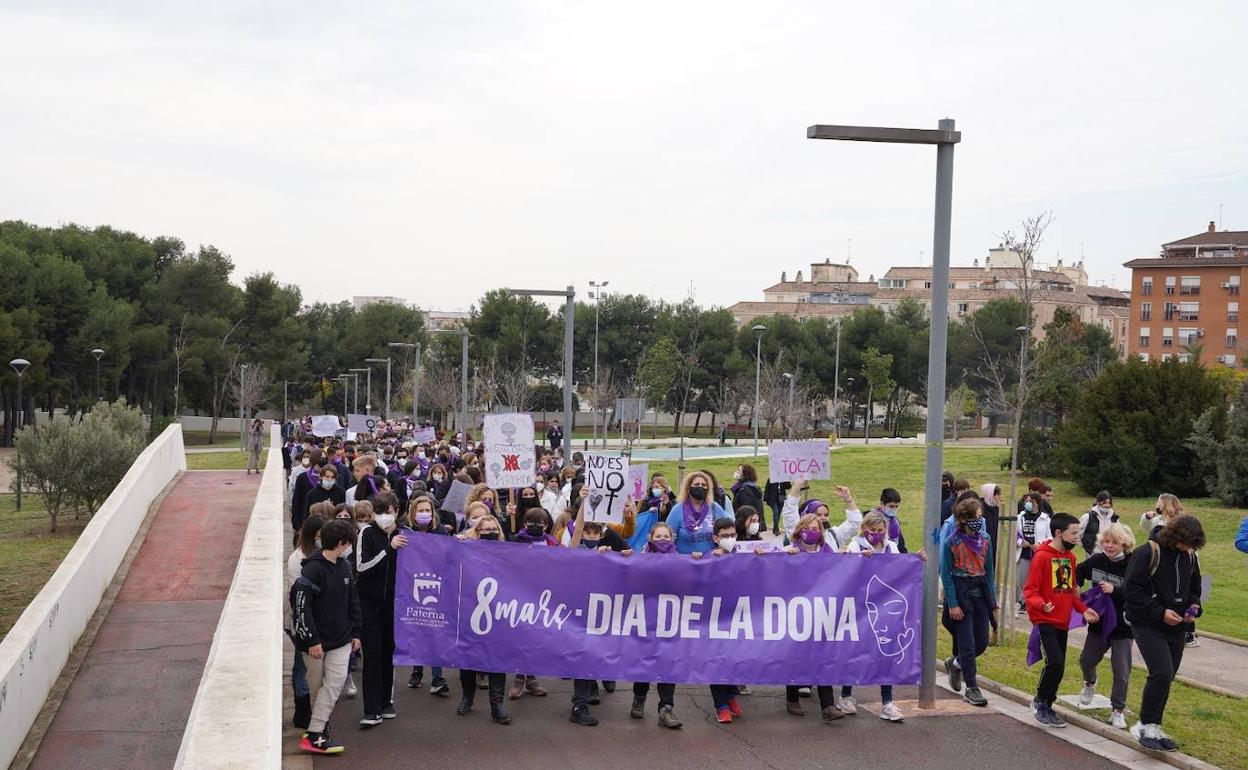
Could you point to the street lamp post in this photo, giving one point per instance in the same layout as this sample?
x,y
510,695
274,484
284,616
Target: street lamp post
x,y
788,431
386,413
944,137
19,365
355,389
98,353
1010,571
568,319
596,296
415,383
346,391
758,330
836,382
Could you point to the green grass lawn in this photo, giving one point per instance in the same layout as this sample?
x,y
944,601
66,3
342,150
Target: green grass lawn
x,y
221,461
29,553
867,470
1206,725
200,438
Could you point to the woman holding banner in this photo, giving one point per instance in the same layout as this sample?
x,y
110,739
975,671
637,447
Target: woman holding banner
x,y
485,528
807,538
694,515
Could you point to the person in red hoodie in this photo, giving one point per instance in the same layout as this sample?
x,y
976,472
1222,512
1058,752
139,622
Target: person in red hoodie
x,y
1050,594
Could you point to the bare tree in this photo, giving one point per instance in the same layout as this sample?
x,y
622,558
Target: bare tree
x,y
180,363
773,396
731,399
440,388
513,391
602,399
246,392
221,382
687,365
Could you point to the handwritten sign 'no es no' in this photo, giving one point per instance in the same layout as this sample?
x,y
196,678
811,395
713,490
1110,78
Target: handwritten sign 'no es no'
x,y
606,479
793,460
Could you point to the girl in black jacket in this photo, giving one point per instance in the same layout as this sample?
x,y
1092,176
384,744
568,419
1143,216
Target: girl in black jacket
x,y
1163,595
1108,569
423,519
745,491
375,571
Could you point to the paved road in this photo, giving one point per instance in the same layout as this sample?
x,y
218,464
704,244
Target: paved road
x,y
1214,662
129,703
429,734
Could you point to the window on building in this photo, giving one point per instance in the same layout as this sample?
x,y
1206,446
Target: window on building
x,y
1146,311
1144,357
1232,311
1232,337
1188,336
973,285
1167,337
1170,309
1145,333
1232,285
1185,358
1167,356
1229,359
964,308
1170,283
1146,287
1189,311
1190,285
927,284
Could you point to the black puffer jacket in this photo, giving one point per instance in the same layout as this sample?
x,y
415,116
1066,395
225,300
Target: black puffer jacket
x,y
1175,585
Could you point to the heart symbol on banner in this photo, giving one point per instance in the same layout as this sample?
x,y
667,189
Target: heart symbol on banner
x,y
594,499
905,638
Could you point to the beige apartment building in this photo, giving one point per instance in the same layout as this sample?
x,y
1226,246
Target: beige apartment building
x,y
832,290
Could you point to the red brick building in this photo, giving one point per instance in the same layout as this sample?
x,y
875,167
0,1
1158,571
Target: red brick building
x,y
1185,302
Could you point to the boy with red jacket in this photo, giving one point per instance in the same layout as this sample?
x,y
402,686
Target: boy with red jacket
x,y
1050,594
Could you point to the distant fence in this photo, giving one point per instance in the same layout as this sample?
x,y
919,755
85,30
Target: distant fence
x,y
236,721
38,646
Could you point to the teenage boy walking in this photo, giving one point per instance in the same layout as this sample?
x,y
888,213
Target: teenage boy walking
x,y
1049,596
325,608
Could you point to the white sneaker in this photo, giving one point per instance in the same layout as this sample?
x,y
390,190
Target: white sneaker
x,y
349,691
1087,694
891,712
847,705
1116,719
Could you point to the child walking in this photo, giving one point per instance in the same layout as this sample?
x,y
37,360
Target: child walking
x,y
966,572
663,541
872,539
1107,568
1050,594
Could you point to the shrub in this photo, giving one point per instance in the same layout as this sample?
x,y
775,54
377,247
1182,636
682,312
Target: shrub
x,y
47,459
1130,427
1220,440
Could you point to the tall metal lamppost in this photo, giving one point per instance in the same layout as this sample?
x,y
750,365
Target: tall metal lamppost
x,y
568,320
98,353
355,389
19,365
346,392
596,295
836,382
944,137
415,380
386,412
463,379
758,330
788,432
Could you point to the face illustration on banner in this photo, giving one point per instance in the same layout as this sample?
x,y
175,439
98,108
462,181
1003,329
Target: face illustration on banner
x,y
888,612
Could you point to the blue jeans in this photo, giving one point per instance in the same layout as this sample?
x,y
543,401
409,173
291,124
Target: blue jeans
x,y
299,676
420,671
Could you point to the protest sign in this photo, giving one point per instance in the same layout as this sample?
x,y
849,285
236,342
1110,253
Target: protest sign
x,y
607,485
508,450
325,424
425,435
773,619
638,480
754,546
361,423
455,498
794,460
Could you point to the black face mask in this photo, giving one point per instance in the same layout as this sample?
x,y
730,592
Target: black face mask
x,y
697,493
535,530
489,536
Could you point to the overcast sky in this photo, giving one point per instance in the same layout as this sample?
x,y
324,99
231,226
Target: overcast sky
x,y
433,150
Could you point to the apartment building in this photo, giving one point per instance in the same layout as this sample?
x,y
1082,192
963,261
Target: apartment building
x,y
834,290
1185,302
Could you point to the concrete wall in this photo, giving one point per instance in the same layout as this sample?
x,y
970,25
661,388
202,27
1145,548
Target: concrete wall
x,y
239,701
37,648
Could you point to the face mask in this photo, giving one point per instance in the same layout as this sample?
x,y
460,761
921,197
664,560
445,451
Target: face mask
x,y
586,543
728,543
656,491
438,477
1029,506
875,538
328,482
317,544
489,504
974,525
307,463
424,519
385,520
811,536
697,493
752,528
736,475
535,530
489,535
662,546
1107,510
890,513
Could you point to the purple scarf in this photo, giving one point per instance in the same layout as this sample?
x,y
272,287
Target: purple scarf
x,y
693,519
523,536
737,487
894,526
314,476
1096,600
975,543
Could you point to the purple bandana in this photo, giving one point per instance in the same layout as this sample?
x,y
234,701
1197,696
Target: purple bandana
x,y
694,519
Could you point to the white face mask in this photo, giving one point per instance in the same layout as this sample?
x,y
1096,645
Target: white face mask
x,y
328,483
385,521
306,462
1107,510
752,528
736,475
728,543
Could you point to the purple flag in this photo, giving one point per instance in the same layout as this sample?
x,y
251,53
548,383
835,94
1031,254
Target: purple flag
x,y
740,619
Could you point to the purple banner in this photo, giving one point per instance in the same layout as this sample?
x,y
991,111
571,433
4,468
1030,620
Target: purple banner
x,y
821,618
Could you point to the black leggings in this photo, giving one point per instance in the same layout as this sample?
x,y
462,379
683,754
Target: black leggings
x,y
827,695
667,692
377,645
468,682
1053,644
1162,652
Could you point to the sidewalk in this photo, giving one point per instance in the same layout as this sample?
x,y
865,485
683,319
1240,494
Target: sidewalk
x,y
1214,663
128,704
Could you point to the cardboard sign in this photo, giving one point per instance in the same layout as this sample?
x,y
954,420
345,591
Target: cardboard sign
x,y
607,482
639,480
793,460
325,425
509,450
425,435
361,423
455,498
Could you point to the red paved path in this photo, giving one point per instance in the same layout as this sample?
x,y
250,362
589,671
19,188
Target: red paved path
x,y
129,703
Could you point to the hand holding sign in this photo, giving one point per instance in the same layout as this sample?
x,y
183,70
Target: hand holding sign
x,y
606,480
793,460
